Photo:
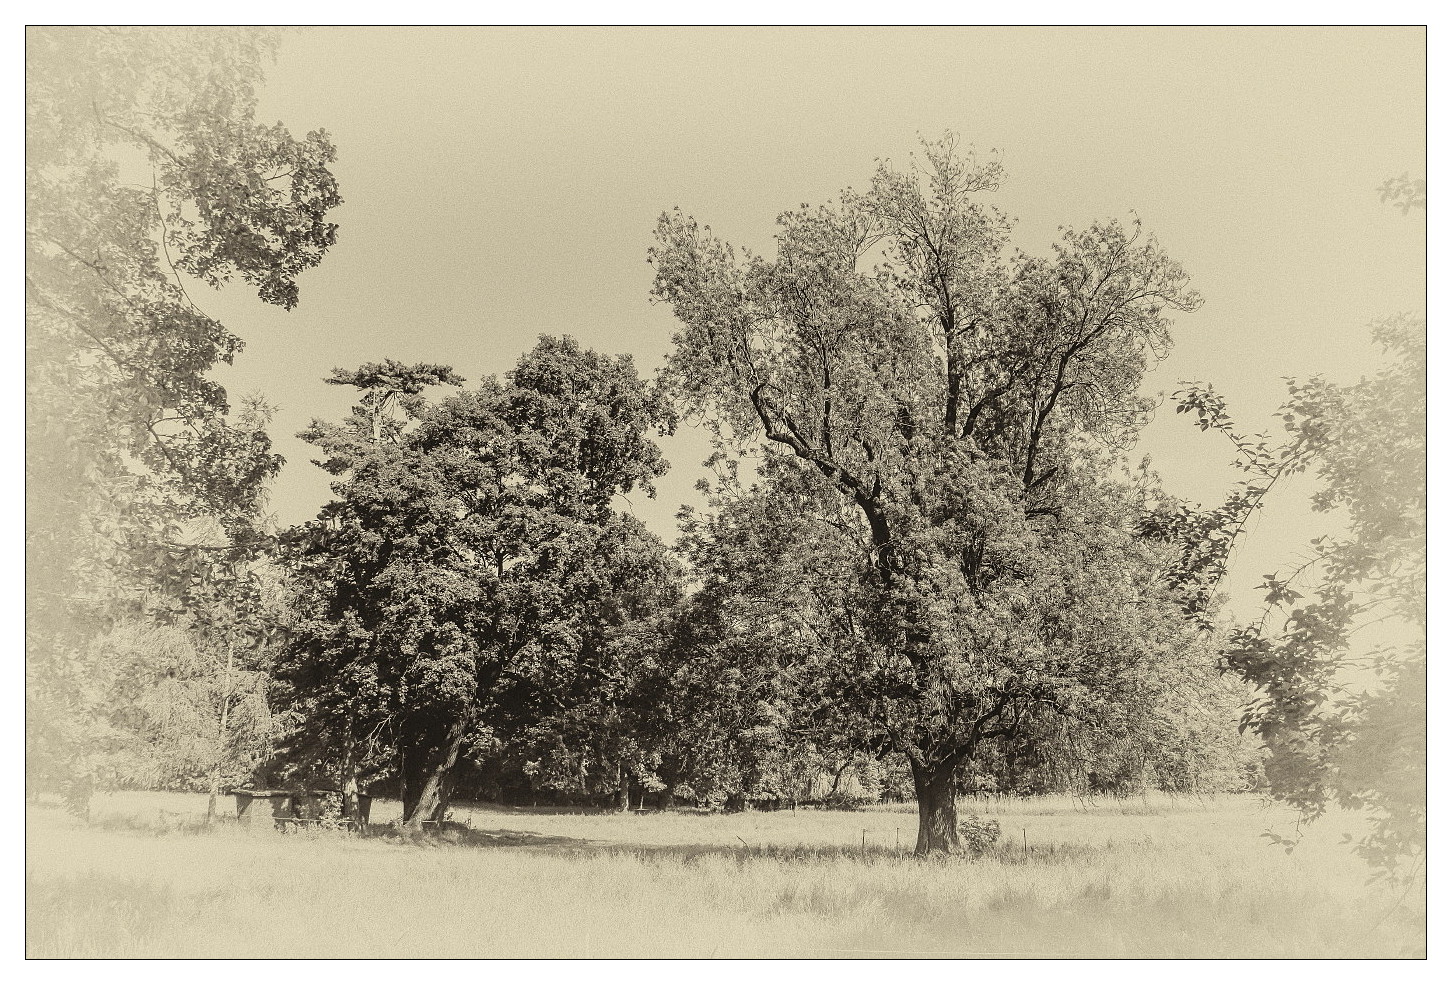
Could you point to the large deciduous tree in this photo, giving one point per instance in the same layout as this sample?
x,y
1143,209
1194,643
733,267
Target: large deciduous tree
x,y
945,402
472,554
146,172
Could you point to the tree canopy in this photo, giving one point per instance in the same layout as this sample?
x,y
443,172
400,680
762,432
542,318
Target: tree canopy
x,y
145,171
470,560
1345,720
950,397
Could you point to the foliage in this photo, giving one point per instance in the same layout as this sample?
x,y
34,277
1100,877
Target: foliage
x,y
937,416
733,649
471,559
144,165
1347,723
1202,539
1345,718
336,704
593,726
184,716
1173,730
1405,192
979,835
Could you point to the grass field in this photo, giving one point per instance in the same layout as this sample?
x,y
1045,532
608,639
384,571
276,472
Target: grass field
x,y
1159,877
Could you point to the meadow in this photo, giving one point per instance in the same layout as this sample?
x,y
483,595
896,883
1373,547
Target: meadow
x,y
1149,877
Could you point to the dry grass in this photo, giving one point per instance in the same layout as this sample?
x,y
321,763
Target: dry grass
x,y
1161,878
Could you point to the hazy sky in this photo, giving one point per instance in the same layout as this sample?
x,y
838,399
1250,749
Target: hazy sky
x,y
504,183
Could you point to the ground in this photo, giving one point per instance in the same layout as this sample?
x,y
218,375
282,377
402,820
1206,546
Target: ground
x,y
1163,877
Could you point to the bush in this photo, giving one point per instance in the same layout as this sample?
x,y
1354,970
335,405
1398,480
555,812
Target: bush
x,y
978,835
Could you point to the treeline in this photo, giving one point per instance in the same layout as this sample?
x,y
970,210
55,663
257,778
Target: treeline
x,y
473,612
922,566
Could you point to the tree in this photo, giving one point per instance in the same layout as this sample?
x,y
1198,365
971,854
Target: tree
x,y
1345,722
332,684
144,167
1171,727
464,561
183,713
950,397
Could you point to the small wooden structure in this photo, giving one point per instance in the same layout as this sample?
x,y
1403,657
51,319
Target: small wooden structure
x,y
263,806
284,808
311,805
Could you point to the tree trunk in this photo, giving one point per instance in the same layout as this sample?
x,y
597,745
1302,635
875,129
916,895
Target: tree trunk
x,y
216,783
623,778
427,764
837,780
351,811
937,790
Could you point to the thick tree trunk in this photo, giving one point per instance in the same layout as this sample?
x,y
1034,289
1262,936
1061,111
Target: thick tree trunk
x,y
351,810
937,791
623,779
427,765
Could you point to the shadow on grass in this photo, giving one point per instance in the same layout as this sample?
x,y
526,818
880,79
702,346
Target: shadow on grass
x,y
162,822
577,810
1005,853
1008,852
451,833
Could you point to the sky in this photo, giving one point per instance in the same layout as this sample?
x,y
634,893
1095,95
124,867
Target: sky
x,y
504,183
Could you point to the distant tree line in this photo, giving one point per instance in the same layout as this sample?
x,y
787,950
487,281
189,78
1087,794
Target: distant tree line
x,y
924,566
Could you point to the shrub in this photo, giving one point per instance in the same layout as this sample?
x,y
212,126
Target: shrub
x,y
978,835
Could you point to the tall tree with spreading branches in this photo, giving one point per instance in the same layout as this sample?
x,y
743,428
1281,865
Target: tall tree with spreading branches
x,y
949,396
